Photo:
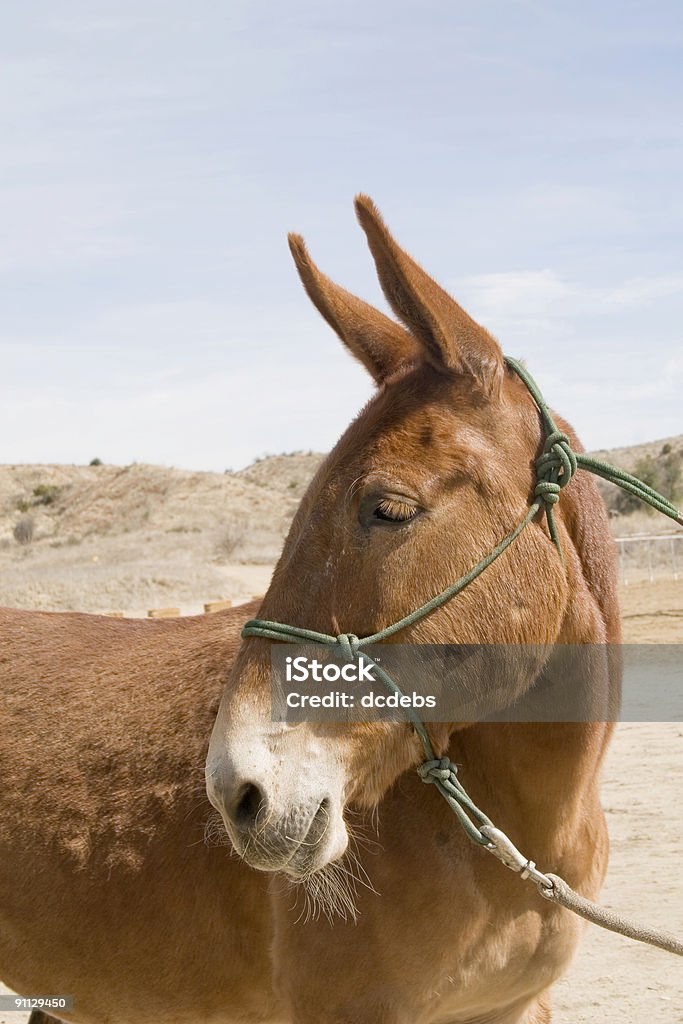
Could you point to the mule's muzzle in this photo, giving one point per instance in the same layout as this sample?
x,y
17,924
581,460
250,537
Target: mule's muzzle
x,y
297,838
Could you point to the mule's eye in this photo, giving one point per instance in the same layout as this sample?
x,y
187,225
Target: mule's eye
x,y
391,510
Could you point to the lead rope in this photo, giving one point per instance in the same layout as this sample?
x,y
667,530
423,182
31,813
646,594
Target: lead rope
x,y
555,468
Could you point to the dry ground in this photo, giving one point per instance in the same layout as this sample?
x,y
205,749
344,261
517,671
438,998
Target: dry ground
x,y
614,980
653,612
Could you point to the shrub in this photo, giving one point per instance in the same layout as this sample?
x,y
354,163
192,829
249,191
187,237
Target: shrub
x,y
23,530
95,462
232,538
663,472
671,471
45,494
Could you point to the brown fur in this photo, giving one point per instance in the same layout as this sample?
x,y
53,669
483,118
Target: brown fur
x,y
107,888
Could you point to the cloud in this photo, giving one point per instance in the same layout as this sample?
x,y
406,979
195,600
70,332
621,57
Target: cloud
x,y
527,293
606,354
529,297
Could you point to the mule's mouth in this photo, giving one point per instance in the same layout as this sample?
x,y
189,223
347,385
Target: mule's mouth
x,y
296,844
307,862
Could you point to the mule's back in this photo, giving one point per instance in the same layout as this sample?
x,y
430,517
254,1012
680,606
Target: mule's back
x,y
108,890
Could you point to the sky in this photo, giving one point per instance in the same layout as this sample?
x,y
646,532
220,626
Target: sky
x,y
153,156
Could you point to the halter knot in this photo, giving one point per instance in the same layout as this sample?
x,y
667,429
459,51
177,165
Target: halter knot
x,y
555,467
438,770
350,645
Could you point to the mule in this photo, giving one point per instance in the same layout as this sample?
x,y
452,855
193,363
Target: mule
x,y
107,888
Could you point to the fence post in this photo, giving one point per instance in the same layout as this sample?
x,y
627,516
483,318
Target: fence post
x,y
216,606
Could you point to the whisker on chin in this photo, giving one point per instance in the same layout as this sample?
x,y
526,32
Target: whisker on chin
x,y
333,890
357,830
330,892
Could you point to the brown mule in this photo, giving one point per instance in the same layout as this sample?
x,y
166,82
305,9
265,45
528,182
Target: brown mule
x,y
108,892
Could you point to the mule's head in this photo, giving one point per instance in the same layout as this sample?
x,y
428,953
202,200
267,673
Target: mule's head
x,y
433,473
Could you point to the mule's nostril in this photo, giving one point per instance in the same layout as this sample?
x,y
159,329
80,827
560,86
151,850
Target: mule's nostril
x,y
250,801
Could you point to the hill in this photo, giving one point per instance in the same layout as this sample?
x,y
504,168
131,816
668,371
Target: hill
x,y
96,538
99,538
657,463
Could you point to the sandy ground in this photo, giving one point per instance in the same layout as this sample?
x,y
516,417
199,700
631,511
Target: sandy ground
x,y
614,980
653,612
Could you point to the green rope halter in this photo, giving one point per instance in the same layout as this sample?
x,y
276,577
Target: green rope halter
x,y
557,464
555,467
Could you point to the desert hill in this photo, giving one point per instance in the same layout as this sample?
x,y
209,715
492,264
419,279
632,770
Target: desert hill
x,y
97,538
100,538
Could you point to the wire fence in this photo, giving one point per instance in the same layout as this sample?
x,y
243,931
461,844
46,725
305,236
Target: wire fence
x,y
645,557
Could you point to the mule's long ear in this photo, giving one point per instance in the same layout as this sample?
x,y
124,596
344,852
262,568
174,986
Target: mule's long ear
x,y
381,345
452,339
